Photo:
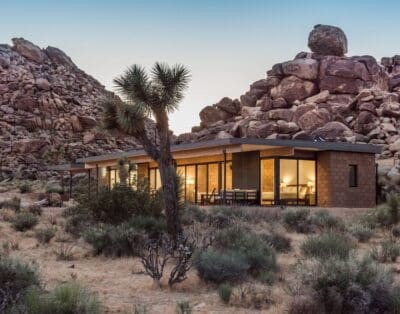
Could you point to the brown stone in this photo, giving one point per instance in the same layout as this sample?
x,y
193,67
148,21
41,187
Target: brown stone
x,y
28,50
280,114
327,40
332,130
306,69
292,88
314,119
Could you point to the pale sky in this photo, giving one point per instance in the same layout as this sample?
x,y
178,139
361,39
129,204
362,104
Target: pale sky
x,y
227,45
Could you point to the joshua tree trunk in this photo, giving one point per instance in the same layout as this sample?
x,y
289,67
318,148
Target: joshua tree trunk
x,y
168,176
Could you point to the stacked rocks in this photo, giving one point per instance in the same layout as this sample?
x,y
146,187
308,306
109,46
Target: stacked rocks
x,y
49,111
318,94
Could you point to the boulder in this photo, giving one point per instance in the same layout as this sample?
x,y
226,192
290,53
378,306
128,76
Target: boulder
x,y
228,105
314,119
318,98
327,40
87,122
89,137
76,124
306,69
280,114
43,84
261,130
57,56
252,112
265,103
332,130
292,88
223,135
209,115
285,127
28,50
280,103
248,100
302,109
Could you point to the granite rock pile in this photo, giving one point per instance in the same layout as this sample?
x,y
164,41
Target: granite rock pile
x,y
319,95
49,112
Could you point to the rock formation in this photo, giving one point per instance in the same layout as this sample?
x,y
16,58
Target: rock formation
x,y
49,111
319,95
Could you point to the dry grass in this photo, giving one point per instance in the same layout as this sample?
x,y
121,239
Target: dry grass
x,y
121,283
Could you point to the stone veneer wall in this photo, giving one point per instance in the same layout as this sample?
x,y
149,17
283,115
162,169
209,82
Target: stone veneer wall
x,y
333,180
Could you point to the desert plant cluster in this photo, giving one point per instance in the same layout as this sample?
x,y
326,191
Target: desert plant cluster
x,y
293,260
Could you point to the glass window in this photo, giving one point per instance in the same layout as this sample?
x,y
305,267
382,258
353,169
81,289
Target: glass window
x,y
267,181
228,175
353,176
152,180
201,183
288,181
307,182
213,178
190,184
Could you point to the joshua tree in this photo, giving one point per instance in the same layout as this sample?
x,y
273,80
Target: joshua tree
x,y
156,95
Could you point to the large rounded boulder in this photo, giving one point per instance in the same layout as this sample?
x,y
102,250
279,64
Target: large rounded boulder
x,y
327,40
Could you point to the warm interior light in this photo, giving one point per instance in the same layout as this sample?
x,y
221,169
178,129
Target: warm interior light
x,y
189,181
103,172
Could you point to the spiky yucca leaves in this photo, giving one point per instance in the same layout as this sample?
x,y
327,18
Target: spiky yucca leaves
x,y
157,94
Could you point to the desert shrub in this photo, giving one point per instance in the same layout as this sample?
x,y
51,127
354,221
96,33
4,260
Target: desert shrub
x,y
278,241
325,246
67,298
114,206
191,214
393,204
10,245
44,235
150,224
15,278
115,241
25,187
65,252
219,267
323,219
13,203
230,211
267,277
388,251
225,291
35,209
303,304
53,188
377,217
260,255
348,286
183,307
361,232
298,220
77,220
24,221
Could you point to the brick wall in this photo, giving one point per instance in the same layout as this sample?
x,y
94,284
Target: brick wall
x,y
333,180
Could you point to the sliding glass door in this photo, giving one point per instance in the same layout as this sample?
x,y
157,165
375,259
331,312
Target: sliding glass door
x,y
199,182
288,181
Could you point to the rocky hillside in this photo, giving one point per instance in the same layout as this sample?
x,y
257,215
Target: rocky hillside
x,y
319,95
49,111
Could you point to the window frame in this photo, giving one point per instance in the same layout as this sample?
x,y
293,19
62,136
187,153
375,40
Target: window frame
x,y
353,183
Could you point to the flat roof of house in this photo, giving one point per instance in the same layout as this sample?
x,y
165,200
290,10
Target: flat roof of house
x,y
257,142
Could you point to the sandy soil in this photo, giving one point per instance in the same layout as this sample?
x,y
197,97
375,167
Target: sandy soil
x,y
121,284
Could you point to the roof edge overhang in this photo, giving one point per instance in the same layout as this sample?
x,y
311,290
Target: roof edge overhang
x,y
235,144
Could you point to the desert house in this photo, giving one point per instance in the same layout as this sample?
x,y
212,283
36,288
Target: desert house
x,y
256,171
